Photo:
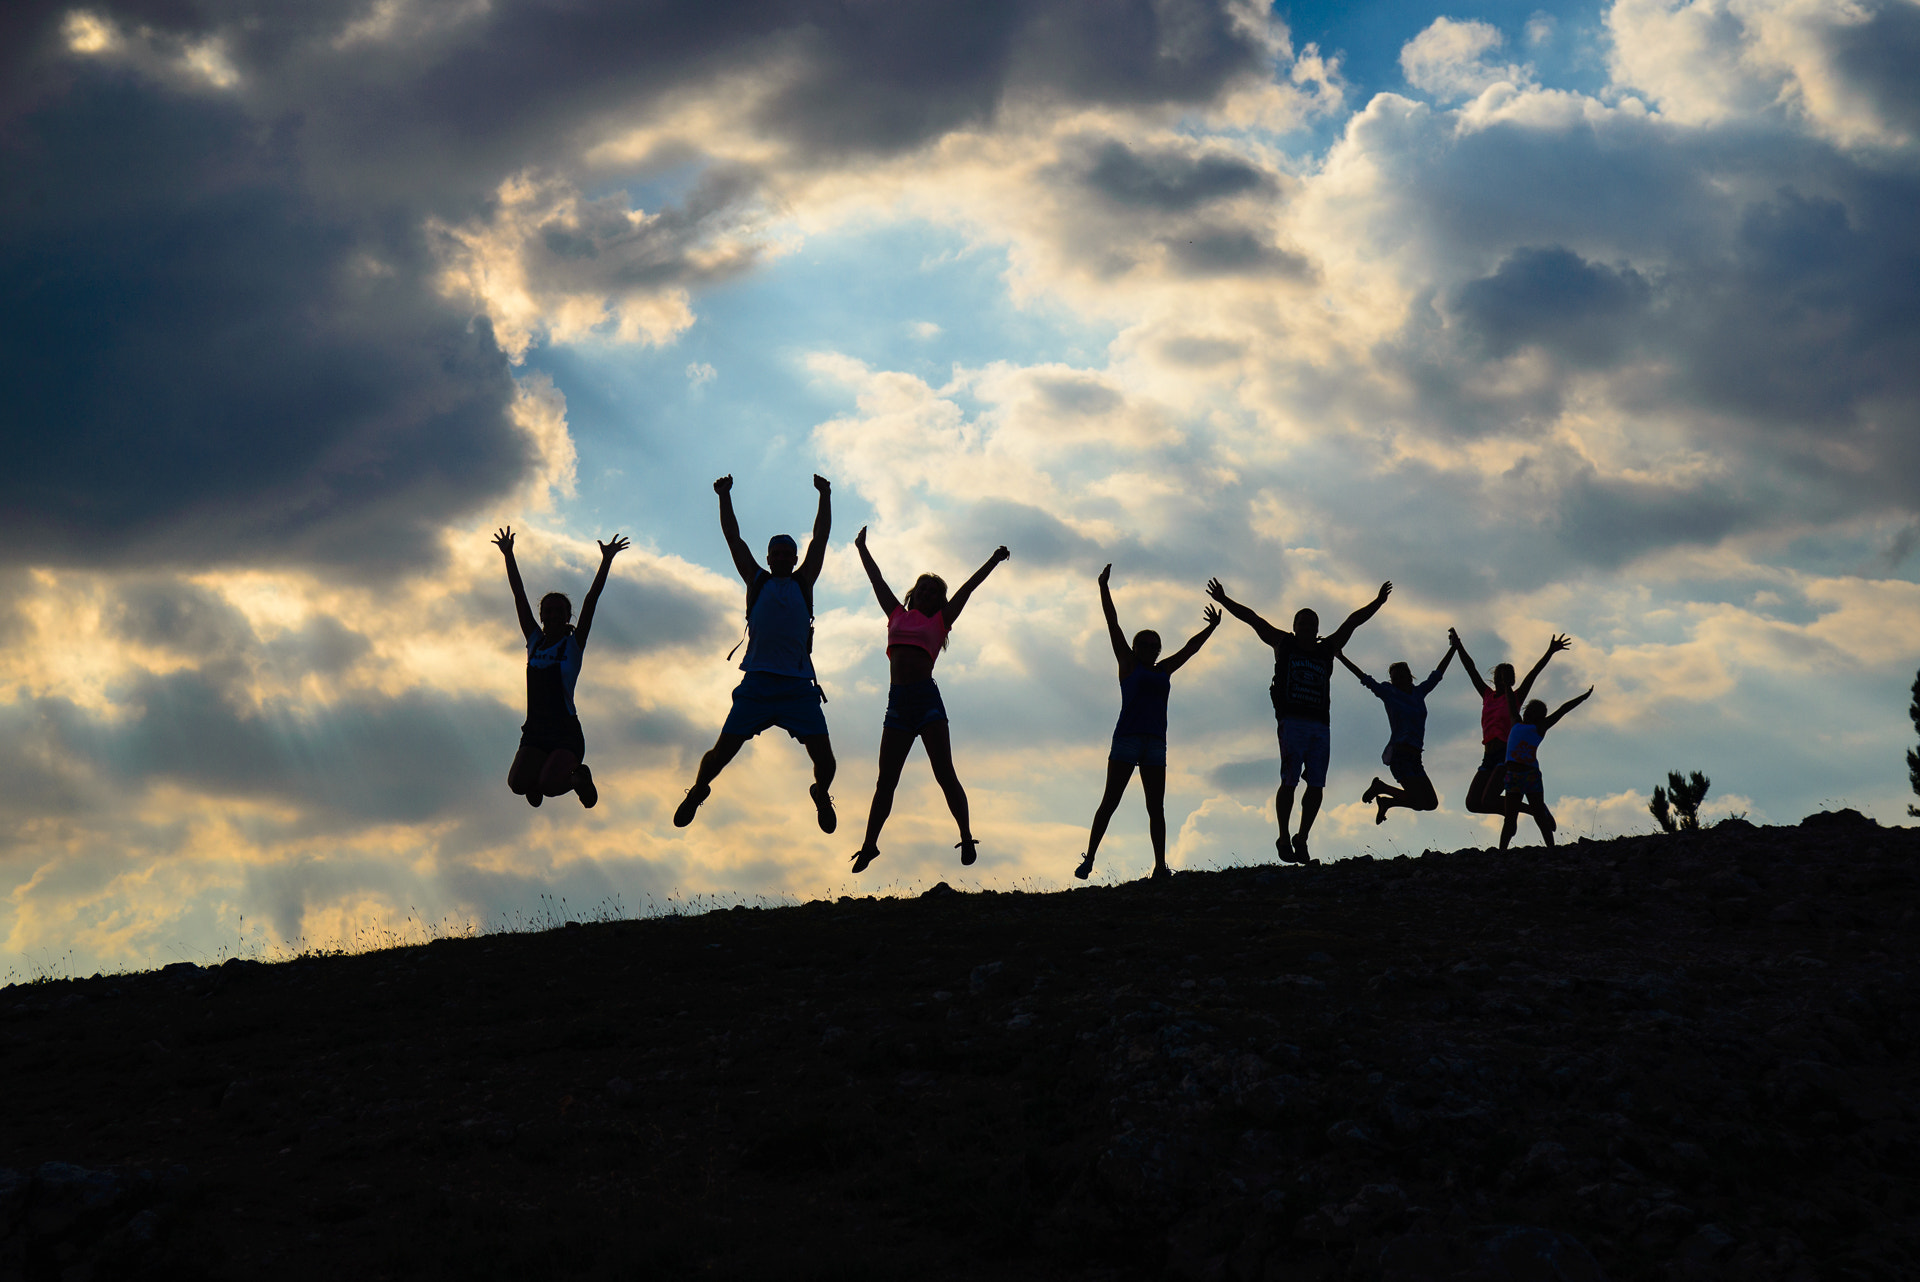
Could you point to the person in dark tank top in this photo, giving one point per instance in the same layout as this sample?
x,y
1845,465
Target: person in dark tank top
x,y
1140,735
551,758
778,686
1302,669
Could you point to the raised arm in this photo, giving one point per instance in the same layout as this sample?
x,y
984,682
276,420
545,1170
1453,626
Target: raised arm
x,y
816,557
1554,647
503,539
958,601
607,552
1360,616
1565,708
1192,647
1261,628
1439,670
730,526
1365,680
1121,650
881,592
1466,661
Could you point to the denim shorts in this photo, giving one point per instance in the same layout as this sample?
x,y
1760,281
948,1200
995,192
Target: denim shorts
x,y
1304,746
766,699
1139,750
914,705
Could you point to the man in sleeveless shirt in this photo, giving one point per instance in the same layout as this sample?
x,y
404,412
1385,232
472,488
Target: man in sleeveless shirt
x,y
779,688
1302,671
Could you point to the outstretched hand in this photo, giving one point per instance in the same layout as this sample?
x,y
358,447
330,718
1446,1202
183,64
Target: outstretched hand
x,y
1212,614
725,483
1559,643
860,539
503,539
612,549
821,483
999,554
1453,638
1386,590
1217,590
1106,574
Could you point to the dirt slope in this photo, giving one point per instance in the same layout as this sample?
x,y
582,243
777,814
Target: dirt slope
x,y
1642,1058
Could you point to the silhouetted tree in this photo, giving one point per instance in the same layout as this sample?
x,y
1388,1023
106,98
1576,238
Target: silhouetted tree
x,y
1677,806
1913,755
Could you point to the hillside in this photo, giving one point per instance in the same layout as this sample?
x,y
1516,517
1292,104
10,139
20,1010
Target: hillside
x,y
1648,1057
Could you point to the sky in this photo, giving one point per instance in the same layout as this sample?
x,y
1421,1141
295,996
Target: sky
x,y
1600,319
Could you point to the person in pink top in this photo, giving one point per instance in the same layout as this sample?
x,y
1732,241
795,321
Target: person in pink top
x,y
1499,709
916,634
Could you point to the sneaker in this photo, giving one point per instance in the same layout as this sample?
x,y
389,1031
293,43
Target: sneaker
x,y
1380,813
1373,790
1300,853
823,808
864,856
969,848
695,795
1086,867
583,786
1160,873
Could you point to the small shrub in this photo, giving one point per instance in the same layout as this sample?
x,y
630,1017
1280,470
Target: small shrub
x,y
1677,806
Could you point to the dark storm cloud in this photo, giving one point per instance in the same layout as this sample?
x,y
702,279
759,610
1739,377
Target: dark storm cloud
x,y
1554,298
370,759
1878,57
1167,180
202,364
221,340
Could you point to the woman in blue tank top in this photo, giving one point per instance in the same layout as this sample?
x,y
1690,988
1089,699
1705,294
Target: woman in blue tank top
x,y
1140,736
549,762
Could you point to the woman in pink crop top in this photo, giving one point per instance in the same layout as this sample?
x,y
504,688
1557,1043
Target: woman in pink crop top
x,y
916,633
1499,709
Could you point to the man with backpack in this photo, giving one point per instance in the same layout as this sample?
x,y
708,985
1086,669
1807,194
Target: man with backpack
x,y
779,688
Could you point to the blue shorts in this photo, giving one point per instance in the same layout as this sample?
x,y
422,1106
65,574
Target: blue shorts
x,y
914,705
1304,746
1139,750
764,699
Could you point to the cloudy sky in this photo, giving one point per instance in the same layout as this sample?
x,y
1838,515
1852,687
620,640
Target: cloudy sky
x,y
1595,318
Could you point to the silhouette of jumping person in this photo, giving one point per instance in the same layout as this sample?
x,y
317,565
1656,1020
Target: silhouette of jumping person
x,y
916,633
1523,768
1302,670
550,761
1140,736
779,688
1499,709
1406,705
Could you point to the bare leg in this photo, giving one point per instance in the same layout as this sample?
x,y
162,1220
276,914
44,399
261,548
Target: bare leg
x,y
1153,779
723,751
1283,808
940,756
1511,821
556,773
895,744
820,748
1309,808
1118,773
1544,817
523,776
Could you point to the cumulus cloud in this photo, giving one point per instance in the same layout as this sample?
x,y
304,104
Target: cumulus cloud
x,y
1451,59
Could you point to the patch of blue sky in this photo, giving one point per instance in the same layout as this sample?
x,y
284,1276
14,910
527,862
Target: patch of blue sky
x,y
734,393
1566,43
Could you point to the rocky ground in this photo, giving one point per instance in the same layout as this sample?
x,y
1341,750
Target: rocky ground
x,y
1652,1057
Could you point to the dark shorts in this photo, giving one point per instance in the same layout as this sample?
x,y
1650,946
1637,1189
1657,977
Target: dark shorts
x,y
766,699
914,705
549,734
1407,770
1139,749
1304,747
1493,754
